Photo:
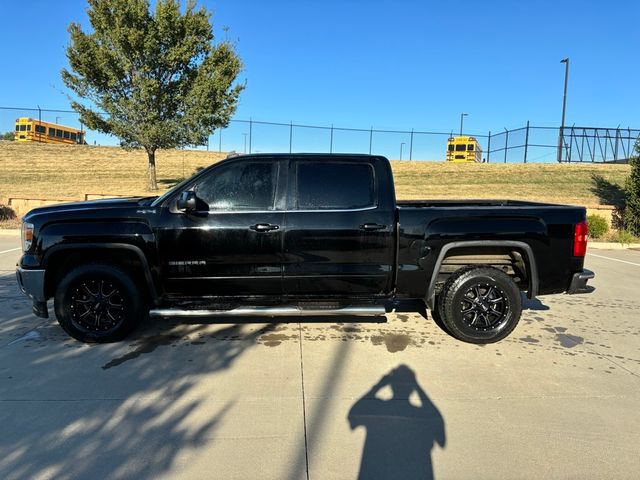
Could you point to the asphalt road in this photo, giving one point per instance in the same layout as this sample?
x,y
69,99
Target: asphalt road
x,y
559,398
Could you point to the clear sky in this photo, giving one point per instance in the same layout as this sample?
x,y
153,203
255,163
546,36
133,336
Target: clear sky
x,y
390,65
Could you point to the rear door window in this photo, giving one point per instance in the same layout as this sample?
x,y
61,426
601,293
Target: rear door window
x,y
334,185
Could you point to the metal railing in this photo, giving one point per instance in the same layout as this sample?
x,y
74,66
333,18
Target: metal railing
x,y
526,144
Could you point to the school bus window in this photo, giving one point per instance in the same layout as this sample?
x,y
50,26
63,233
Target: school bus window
x,y
470,147
460,147
73,136
23,128
451,147
17,128
66,134
52,132
28,128
40,129
58,133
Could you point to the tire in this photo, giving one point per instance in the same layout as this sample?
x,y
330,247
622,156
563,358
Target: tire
x,y
98,303
437,317
480,305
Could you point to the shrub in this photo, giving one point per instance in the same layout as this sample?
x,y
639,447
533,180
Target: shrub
x,y
7,136
632,190
7,213
624,237
598,226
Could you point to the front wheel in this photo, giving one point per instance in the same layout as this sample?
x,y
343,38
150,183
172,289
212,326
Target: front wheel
x,y
480,305
98,304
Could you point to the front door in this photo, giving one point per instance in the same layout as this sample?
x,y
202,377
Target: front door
x,y
232,246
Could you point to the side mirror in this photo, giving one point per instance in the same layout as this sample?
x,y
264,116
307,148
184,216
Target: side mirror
x,y
187,202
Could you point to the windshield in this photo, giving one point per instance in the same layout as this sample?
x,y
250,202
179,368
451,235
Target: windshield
x,y
168,193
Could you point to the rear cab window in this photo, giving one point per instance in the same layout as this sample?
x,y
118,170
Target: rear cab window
x,y
330,185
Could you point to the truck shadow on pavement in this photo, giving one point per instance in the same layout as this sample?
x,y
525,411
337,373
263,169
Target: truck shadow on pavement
x,y
399,435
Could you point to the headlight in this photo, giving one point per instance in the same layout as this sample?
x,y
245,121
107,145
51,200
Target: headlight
x,y
27,236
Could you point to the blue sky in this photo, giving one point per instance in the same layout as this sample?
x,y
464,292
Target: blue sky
x,y
390,65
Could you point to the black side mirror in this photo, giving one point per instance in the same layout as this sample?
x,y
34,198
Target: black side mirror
x,y
187,201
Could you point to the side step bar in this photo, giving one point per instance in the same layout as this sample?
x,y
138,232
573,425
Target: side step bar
x,y
285,311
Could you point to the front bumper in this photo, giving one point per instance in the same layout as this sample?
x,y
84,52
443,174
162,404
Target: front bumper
x,y
579,282
31,283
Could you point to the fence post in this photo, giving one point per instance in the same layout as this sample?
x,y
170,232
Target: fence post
x,y
331,140
489,146
526,142
411,146
39,135
370,139
290,135
250,132
506,144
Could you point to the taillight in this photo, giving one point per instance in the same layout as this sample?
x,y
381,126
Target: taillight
x,y
580,235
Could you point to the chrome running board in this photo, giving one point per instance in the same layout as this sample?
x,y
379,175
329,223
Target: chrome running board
x,y
287,311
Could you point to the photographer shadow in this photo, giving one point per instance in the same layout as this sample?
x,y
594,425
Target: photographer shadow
x,y
400,435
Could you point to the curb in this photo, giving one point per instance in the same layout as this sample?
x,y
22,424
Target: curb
x,y
612,246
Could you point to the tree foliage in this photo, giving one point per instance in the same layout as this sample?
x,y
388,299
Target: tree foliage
x,y
7,136
157,74
632,193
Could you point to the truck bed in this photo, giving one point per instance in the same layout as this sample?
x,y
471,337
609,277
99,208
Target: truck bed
x,y
472,203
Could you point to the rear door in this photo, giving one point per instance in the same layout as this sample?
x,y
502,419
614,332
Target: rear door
x,y
339,240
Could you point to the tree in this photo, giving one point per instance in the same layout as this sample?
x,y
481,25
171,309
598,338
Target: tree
x,y
7,136
157,75
632,193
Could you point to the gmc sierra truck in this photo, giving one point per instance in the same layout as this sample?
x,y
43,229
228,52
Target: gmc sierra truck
x,y
297,235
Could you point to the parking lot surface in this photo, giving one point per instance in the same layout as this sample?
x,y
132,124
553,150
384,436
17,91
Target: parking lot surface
x,y
398,398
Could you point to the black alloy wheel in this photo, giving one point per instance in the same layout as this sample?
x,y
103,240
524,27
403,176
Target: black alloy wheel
x,y
480,304
484,307
99,303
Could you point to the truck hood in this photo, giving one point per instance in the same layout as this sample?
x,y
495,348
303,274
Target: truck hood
x,y
89,208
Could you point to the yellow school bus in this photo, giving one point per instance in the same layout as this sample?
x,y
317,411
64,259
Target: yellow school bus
x,y
30,130
463,149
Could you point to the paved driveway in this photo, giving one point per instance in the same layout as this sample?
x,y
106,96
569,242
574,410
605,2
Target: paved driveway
x,y
558,399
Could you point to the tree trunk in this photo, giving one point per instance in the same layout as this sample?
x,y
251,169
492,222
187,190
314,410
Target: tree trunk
x,y
153,185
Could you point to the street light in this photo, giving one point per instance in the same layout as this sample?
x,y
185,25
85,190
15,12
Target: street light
x,y
462,115
564,107
401,145
245,142
57,119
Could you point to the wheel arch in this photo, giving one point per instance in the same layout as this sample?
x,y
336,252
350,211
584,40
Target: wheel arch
x,y
521,247
60,258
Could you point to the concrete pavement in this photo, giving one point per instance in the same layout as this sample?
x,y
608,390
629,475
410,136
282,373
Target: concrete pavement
x,y
557,399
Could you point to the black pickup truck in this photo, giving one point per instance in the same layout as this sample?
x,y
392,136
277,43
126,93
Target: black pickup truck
x,y
298,234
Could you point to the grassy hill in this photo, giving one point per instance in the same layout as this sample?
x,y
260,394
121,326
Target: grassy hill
x,y
69,172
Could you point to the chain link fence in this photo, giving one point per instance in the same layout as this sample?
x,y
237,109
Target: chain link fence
x,y
519,145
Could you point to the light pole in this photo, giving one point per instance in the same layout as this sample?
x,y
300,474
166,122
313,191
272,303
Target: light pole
x,y
564,107
245,142
401,145
57,119
462,115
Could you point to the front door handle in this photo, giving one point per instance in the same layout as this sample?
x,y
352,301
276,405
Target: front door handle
x,y
264,227
370,227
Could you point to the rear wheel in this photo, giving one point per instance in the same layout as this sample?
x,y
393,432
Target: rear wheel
x,y
98,303
480,305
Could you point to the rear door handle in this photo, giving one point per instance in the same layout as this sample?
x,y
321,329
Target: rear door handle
x,y
369,227
264,227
